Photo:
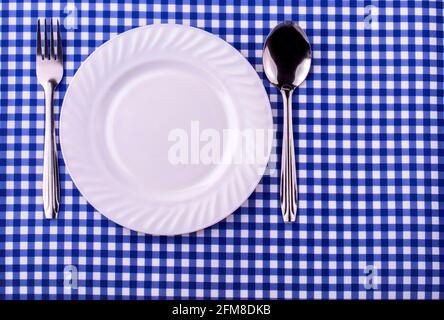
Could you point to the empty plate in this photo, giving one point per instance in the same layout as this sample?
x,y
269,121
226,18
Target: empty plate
x,y
166,129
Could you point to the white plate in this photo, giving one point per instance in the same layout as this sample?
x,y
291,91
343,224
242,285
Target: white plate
x,y
123,114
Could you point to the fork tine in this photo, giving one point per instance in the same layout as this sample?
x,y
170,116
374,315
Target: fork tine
x,y
59,43
39,40
52,41
46,43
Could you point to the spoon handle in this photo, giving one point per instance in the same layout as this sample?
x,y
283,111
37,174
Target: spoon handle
x,y
288,192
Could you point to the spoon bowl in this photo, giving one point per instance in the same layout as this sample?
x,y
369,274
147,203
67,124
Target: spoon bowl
x,y
287,56
287,60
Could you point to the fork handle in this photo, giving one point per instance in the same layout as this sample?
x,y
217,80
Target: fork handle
x,y
51,181
289,191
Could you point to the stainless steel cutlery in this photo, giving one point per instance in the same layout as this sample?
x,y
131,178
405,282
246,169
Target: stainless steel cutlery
x,y
287,60
49,64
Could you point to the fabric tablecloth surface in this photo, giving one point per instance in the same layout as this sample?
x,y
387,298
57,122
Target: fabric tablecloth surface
x,y
368,129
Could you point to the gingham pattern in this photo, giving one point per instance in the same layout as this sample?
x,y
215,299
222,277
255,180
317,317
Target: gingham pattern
x,y
368,122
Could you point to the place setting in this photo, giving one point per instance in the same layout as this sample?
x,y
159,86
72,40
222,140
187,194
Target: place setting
x,y
167,129
177,150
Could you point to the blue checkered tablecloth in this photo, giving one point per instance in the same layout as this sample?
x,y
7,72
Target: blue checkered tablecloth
x,y
368,123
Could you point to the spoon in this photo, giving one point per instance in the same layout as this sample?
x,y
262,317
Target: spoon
x,y
287,59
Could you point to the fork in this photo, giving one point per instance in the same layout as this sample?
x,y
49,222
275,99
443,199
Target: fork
x,y
49,73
